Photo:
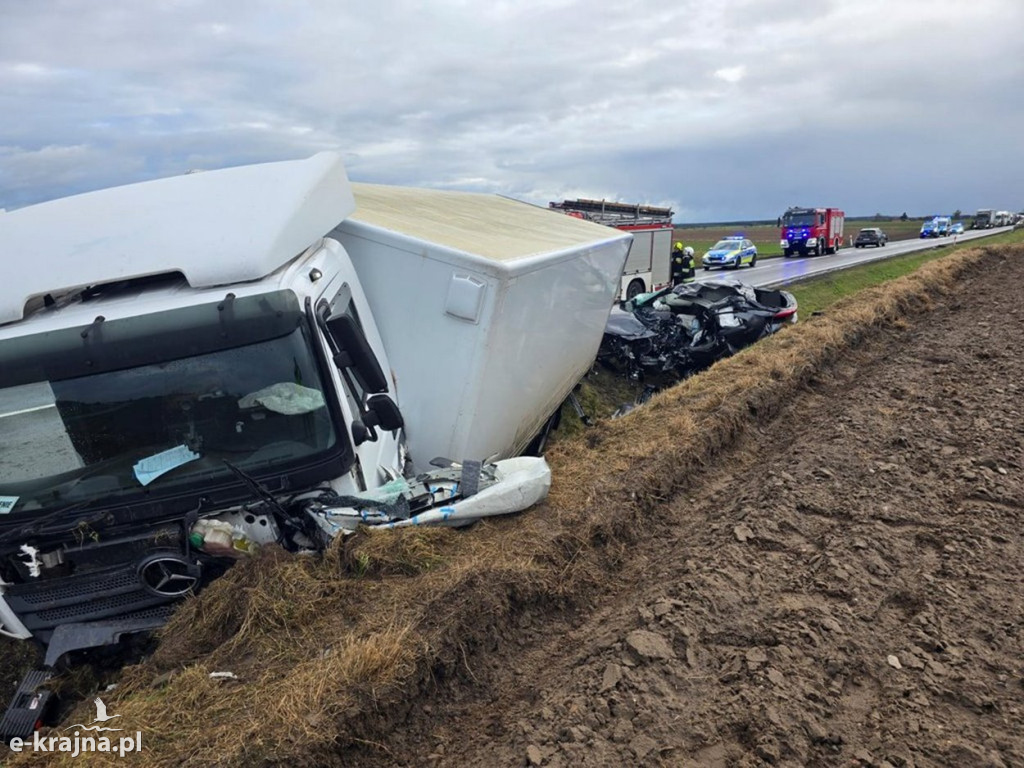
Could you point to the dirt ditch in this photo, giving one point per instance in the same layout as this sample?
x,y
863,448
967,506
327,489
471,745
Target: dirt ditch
x,y
842,588
807,555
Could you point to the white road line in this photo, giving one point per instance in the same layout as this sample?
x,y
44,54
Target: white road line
x,y
28,410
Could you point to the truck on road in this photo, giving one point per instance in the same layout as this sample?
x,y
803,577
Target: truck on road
x,y
983,219
648,265
239,352
811,231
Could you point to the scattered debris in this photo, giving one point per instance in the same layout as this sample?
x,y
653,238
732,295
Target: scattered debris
x,y
32,563
456,495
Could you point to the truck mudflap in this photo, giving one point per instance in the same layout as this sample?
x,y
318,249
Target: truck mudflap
x,y
441,497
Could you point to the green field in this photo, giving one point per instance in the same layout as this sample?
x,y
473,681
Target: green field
x,y
766,236
815,294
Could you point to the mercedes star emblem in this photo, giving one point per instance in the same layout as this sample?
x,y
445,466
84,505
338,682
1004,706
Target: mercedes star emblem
x,y
168,575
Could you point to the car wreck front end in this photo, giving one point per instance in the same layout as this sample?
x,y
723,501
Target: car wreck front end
x,y
679,331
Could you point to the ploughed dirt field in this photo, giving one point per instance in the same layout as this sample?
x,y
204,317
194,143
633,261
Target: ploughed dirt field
x,y
844,587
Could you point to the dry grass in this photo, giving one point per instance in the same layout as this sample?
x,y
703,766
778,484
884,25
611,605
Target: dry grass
x,y
331,652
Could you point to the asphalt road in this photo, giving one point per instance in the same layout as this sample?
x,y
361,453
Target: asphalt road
x,y
775,272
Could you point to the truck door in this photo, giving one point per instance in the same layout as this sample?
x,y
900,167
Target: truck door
x,y
380,451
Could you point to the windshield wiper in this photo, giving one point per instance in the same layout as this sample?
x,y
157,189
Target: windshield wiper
x,y
257,489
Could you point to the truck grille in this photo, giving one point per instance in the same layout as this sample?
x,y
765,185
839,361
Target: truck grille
x,y
43,604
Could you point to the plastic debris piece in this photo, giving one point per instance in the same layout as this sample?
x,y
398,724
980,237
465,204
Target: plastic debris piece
x,y
286,398
507,486
32,563
220,538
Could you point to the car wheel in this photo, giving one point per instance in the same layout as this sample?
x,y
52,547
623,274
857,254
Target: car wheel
x,y
753,261
634,289
707,269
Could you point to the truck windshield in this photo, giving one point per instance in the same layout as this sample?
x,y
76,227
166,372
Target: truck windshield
x,y
159,424
798,220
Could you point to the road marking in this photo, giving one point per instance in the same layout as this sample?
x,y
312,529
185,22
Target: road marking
x,y
28,410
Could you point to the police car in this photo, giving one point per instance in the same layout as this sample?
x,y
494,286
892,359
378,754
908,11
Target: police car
x,y
730,252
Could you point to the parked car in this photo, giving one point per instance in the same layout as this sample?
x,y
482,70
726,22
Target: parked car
x,y
682,330
871,236
957,228
730,252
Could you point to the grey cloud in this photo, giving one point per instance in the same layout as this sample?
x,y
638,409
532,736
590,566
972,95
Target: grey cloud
x,y
525,98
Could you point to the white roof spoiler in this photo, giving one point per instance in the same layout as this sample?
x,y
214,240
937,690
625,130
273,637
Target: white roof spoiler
x,y
216,227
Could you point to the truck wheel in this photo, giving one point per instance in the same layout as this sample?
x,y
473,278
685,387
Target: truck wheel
x,y
634,289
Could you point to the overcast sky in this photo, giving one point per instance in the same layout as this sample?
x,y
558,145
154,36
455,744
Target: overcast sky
x,y
724,110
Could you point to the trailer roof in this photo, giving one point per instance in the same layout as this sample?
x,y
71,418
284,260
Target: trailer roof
x,y
215,227
494,227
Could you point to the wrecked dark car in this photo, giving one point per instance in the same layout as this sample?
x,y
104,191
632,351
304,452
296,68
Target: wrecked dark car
x,y
682,330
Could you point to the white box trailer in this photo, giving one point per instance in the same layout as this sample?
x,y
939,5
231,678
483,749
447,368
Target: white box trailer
x,y
511,301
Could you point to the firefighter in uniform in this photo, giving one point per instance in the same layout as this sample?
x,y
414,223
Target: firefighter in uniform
x,y
683,268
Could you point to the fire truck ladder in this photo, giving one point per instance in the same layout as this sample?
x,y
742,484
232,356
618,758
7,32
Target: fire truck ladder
x,y
616,214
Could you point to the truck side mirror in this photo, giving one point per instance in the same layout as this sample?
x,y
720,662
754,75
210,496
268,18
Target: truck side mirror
x,y
361,433
383,412
356,353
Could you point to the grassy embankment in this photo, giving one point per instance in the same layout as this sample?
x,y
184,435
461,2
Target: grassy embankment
x,y
766,237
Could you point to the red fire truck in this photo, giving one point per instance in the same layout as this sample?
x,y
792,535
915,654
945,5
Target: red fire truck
x,y
811,231
648,263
